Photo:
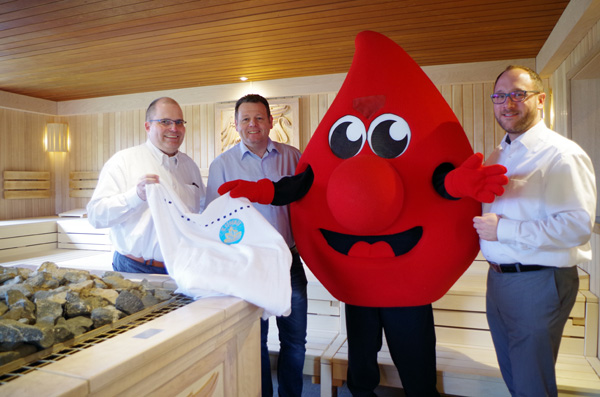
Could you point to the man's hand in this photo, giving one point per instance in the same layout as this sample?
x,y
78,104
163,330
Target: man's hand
x,y
486,226
142,182
261,192
472,179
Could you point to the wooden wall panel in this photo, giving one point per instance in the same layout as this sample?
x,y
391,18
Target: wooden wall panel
x,y
468,110
478,117
96,137
22,149
471,104
585,120
560,86
561,91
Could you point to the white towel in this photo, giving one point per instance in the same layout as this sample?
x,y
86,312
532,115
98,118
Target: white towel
x,y
229,249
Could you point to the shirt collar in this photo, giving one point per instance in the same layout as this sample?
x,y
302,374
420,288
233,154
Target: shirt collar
x,y
529,138
162,157
244,149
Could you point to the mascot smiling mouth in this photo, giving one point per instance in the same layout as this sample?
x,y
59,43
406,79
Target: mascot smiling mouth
x,y
373,246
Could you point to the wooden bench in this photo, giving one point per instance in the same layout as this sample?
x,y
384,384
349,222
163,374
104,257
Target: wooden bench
x,y
466,358
70,242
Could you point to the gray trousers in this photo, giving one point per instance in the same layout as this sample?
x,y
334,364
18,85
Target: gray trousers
x,y
527,313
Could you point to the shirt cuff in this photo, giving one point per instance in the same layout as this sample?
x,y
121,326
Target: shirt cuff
x,y
132,199
507,230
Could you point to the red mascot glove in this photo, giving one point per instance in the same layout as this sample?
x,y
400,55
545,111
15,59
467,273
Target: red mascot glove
x,y
261,192
472,179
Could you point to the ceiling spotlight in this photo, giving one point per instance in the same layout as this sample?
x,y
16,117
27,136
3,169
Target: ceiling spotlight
x,y
243,78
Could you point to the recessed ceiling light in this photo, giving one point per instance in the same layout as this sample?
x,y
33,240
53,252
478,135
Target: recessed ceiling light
x,y
243,78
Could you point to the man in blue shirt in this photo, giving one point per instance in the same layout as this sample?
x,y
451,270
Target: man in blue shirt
x,y
257,157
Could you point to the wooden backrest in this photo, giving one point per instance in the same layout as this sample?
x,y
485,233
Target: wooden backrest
x,y
27,184
82,184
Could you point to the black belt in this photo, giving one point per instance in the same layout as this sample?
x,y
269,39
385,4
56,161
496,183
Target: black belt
x,y
515,267
147,262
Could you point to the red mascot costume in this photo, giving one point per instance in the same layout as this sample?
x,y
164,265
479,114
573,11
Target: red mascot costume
x,y
382,206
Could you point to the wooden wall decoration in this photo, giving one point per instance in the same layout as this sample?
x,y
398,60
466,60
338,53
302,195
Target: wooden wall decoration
x,y
285,123
27,184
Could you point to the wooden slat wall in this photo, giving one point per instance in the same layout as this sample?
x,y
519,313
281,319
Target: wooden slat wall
x,y
22,149
560,84
96,137
473,109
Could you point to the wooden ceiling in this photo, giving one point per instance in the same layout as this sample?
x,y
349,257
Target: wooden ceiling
x,y
75,49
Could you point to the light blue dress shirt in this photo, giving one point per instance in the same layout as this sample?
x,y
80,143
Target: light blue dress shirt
x,y
240,163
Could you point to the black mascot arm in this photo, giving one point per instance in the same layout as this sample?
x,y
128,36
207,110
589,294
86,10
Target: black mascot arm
x,y
292,188
438,178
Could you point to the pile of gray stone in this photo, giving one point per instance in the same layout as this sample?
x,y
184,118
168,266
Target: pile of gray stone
x,y
49,305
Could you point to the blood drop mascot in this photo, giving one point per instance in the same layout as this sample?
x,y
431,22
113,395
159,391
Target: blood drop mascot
x,y
381,209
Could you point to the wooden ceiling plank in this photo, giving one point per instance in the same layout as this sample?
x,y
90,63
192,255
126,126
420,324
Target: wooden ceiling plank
x,y
209,66
11,6
126,28
151,15
117,53
104,56
207,34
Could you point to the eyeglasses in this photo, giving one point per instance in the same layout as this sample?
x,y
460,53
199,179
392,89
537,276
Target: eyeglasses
x,y
515,96
167,123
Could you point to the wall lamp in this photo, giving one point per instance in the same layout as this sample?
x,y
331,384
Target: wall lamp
x,y
57,137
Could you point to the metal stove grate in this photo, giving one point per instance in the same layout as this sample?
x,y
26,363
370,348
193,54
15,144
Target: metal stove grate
x,y
58,352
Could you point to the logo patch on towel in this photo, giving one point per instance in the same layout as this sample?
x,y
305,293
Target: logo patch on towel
x,y
232,231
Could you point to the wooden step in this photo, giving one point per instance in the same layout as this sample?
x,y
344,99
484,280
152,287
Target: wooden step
x,y
472,371
466,359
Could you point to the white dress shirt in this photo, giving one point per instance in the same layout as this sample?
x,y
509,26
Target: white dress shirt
x,y
115,202
548,208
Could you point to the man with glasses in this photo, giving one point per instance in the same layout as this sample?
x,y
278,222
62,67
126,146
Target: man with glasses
x,y
534,235
119,201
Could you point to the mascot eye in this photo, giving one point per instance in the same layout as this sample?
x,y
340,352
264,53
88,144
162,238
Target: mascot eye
x,y
389,136
347,137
